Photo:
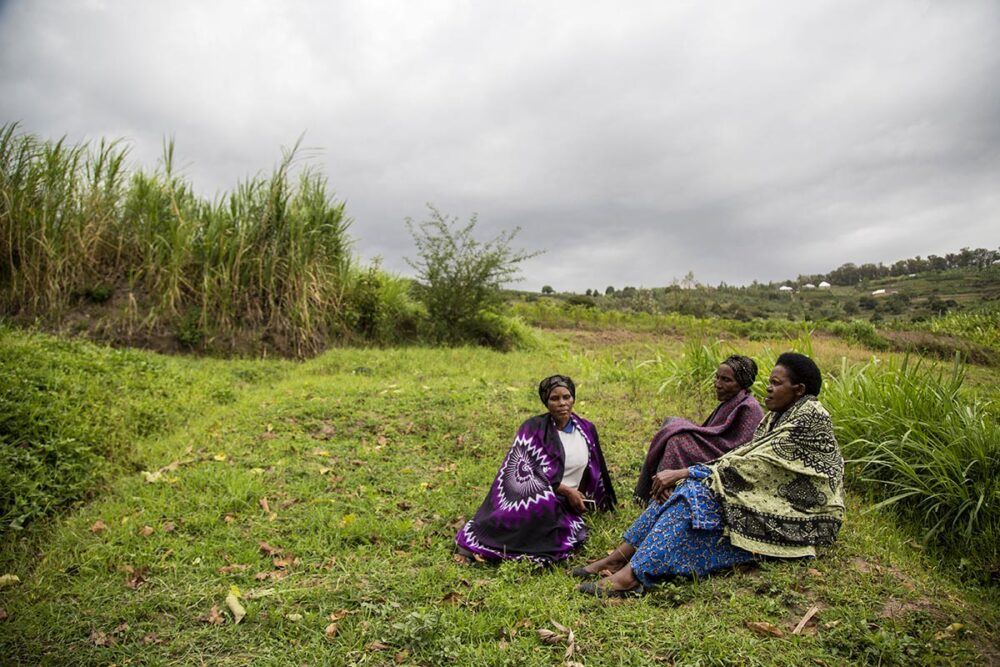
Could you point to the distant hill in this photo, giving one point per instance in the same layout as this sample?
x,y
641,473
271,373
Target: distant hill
x,y
910,290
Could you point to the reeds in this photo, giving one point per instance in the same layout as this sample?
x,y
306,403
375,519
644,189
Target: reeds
x,y
270,260
924,446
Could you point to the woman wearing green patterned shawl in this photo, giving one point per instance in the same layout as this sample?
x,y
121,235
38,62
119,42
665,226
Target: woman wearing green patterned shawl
x,y
779,495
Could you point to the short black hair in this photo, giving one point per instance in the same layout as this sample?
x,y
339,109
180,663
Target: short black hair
x,y
802,370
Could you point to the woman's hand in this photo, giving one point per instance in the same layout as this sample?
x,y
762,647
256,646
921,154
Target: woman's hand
x,y
665,481
573,498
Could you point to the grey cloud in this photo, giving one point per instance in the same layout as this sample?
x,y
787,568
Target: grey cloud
x,y
634,143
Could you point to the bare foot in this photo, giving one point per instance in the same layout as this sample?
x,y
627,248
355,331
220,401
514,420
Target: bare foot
x,y
613,562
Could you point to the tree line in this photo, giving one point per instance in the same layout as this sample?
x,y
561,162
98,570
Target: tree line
x,y
851,274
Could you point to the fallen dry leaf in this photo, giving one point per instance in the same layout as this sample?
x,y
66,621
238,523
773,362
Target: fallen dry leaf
x,y
331,631
261,576
287,561
3,614
813,572
269,550
234,606
404,506
401,657
168,527
452,597
135,576
235,567
950,632
214,617
102,638
146,531
9,580
337,615
765,629
382,441
98,527
377,646
264,505
229,518
150,638
294,617
548,636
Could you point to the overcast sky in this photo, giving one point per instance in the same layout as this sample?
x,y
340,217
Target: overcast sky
x,y
633,142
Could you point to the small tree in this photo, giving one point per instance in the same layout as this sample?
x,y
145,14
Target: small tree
x,y
461,277
547,289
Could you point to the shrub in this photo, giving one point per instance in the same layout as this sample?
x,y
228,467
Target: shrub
x,y
861,332
501,332
461,276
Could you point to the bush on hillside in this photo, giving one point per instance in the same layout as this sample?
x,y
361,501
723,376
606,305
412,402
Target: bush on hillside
x,y
460,277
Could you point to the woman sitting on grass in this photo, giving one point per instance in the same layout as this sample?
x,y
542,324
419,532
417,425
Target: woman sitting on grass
x,y
553,473
779,495
680,443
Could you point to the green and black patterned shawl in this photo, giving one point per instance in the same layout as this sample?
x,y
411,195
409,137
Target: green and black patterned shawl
x,y
782,493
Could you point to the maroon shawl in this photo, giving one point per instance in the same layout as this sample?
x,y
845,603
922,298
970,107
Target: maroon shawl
x,y
680,443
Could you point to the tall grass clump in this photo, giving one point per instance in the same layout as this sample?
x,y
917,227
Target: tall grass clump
x,y
265,266
924,446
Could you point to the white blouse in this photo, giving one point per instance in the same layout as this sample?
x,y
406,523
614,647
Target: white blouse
x,y
577,456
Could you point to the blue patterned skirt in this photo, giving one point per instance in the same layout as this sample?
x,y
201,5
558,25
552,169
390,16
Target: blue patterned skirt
x,y
681,536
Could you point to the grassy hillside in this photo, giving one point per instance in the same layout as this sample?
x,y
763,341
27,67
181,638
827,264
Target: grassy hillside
x,y
326,494
907,298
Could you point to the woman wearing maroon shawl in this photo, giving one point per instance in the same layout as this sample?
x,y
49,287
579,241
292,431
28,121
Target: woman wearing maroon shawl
x,y
553,473
681,443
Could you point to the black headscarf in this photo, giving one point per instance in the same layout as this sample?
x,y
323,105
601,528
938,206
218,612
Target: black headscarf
x,y
546,386
802,370
744,369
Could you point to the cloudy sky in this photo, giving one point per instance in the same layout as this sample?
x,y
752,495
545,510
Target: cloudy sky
x,y
633,142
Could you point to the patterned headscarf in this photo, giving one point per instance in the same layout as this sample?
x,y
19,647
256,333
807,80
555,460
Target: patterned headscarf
x,y
546,386
744,368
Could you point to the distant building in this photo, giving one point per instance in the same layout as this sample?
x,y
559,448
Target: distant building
x,y
824,285
785,288
808,286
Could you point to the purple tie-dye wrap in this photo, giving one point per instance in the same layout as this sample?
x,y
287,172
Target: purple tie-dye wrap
x,y
522,517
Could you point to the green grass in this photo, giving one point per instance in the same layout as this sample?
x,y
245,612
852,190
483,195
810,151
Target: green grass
x,y
75,415
368,460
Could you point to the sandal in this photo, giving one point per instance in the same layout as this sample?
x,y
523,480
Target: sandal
x,y
595,589
583,573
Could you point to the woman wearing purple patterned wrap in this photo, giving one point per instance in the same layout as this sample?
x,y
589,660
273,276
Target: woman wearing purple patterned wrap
x,y
553,473
680,443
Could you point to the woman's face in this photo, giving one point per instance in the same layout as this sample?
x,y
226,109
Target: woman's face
x,y
726,385
781,391
560,404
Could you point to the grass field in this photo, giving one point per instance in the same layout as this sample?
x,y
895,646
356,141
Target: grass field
x,y
325,495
